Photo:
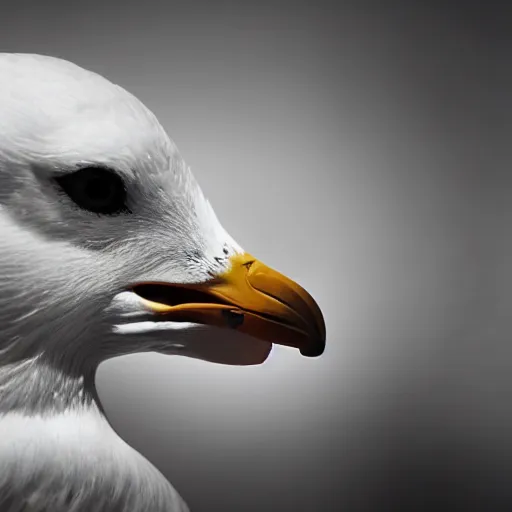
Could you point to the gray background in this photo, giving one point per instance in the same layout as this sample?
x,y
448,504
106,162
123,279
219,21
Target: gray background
x,y
361,149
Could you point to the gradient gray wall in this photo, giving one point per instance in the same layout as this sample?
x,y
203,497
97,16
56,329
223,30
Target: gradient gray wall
x,y
360,149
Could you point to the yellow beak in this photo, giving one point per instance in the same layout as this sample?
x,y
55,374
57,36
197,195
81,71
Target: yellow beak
x,y
249,297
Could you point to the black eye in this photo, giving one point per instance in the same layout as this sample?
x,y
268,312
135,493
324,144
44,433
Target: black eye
x,y
95,189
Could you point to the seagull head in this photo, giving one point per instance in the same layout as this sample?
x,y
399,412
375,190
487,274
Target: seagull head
x,y
109,247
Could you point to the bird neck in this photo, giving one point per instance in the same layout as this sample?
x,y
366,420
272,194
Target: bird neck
x,y
39,386
54,436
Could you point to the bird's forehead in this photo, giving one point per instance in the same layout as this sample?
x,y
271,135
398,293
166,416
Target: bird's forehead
x,y
54,111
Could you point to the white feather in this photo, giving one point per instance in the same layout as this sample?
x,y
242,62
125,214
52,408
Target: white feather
x,y
77,450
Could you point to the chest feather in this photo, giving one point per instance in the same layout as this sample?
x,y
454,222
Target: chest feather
x,y
75,462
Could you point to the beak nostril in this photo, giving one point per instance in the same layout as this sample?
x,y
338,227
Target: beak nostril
x,y
233,318
248,264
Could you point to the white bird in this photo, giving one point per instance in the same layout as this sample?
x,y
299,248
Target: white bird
x,y
108,247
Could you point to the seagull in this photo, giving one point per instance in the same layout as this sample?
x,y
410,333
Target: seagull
x,y
109,247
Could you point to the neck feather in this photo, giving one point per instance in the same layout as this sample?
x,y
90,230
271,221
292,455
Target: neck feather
x,y
39,386
56,444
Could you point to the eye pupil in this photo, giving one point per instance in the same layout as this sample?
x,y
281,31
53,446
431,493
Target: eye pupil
x,y
98,190
95,189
